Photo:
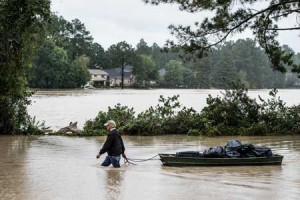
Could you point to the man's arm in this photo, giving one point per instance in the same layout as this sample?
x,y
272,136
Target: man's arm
x,y
106,146
122,147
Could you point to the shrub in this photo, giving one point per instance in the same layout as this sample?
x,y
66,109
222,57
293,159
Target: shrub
x,y
120,114
235,113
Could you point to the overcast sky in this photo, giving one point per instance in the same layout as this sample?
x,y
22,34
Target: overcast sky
x,y
112,21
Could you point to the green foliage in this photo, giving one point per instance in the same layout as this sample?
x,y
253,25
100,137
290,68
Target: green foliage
x,y
71,36
231,17
164,118
274,113
79,73
177,75
21,34
120,54
237,114
120,114
33,127
142,48
227,66
234,113
225,75
97,57
145,70
235,109
53,69
242,63
156,121
62,61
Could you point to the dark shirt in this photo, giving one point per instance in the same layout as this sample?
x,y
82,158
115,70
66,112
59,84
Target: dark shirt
x,y
113,145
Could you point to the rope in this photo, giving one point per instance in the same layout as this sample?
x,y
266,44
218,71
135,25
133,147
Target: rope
x,y
132,160
126,161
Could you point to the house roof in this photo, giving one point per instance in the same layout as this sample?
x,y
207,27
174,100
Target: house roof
x,y
97,72
117,72
98,79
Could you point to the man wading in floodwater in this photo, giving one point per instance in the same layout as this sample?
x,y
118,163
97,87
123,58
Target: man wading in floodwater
x,y
113,145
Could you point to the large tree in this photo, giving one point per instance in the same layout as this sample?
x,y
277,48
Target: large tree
x,y
177,75
53,69
142,48
230,17
79,38
21,27
97,57
119,55
145,70
71,36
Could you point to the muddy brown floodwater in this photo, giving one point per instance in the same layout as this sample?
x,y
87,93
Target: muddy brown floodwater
x,y
57,167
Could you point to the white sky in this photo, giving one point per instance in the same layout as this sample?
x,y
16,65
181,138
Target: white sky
x,y
112,21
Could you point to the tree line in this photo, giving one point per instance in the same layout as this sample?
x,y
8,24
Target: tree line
x,y
69,50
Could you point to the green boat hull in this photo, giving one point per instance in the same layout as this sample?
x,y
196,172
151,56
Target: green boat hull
x,y
172,160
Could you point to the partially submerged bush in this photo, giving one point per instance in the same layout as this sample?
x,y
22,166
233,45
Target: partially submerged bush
x,y
235,113
122,115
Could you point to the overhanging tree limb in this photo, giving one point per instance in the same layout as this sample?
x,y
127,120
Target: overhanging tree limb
x,y
231,17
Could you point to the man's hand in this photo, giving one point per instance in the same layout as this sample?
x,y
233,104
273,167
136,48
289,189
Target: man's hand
x,y
98,155
123,155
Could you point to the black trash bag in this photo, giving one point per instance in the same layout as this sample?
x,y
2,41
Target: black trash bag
x,y
262,151
247,150
233,154
232,145
214,152
233,149
189,154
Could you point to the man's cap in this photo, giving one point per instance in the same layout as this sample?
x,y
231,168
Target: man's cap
x,y
111,123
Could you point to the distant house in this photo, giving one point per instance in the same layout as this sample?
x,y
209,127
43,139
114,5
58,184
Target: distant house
x,y
99,78
115,76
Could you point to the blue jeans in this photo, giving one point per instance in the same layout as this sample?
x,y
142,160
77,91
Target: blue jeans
x,y
114,160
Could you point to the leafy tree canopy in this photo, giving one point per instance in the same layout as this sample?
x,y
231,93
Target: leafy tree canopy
x,y
120,54
145,69
21,33
235,16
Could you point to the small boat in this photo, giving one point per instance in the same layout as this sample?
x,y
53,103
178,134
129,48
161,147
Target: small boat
x,y
173,160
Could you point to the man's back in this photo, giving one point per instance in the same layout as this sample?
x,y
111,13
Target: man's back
x,y
113,145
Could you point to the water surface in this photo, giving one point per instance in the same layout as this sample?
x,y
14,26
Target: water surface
x,y
57,167
59,107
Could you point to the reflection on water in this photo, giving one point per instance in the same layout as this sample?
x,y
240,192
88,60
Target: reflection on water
x,y
65,168
114,178
13,181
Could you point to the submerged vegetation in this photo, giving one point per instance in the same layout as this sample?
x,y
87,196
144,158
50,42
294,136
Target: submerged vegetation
x,y
233,113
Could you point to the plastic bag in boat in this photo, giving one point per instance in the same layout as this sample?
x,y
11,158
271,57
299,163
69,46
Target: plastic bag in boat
x,y
214,152
232,145
262,151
